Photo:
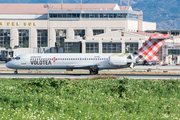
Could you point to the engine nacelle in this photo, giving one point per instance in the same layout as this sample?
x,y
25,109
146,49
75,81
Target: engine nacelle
x,y
115,60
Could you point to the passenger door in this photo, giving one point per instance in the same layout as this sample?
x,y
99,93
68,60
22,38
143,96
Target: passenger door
x,y
23,60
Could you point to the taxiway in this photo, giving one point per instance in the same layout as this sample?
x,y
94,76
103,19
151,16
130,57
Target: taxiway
x,y
80,76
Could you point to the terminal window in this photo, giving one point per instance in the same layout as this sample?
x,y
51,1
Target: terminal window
x,y
92,15
64,15
116,29
134,16
131,47
24,38
42,40
173,51
111,48
4,37
92,47
60,36
72,47
79,33
97,32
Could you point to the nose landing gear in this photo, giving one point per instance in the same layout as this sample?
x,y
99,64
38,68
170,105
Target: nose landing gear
x,y
93,70
15,71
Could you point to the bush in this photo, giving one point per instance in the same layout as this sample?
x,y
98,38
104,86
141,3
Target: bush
x,y
49,98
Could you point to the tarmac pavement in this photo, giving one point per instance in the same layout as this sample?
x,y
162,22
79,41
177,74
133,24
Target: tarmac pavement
x,y
138,68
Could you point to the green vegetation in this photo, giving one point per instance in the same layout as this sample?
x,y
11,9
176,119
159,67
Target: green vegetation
x,y
89,99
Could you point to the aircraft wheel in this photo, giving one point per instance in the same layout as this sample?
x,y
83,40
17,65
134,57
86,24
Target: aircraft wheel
x,y
94,70
15,72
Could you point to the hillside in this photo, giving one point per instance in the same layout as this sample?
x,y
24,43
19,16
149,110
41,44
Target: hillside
x,y
164,12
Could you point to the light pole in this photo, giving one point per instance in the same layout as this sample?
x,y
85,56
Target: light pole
x,y
81,4
48,6
61,5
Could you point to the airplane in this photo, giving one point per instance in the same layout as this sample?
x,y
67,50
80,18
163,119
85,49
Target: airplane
x,y
91,61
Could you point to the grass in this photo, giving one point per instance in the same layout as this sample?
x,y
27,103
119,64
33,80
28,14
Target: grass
x,y
97,98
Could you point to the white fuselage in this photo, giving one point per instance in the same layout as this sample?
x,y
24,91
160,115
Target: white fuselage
x,y
66,61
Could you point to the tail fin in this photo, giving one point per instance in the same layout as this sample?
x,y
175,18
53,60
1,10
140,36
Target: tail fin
x,y
148,51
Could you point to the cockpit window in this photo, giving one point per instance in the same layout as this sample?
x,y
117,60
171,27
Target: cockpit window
x,y
17,58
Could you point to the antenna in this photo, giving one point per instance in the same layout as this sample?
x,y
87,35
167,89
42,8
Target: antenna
x,y
120,2
81,4
61,5
129,2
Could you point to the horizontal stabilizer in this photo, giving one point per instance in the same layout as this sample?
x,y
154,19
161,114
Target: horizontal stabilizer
x,y
159,36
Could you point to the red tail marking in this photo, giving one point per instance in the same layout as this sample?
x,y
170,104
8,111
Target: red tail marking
x,y
151,47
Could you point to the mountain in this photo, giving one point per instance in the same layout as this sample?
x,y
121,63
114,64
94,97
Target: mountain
x,y
165,13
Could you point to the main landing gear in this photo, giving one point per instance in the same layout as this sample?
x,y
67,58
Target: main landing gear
x,y
93,70
15,71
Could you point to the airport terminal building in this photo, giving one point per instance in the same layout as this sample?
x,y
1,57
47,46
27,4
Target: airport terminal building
x,y
79,28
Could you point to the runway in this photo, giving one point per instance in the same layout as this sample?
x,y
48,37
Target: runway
x,y
5,73
81,76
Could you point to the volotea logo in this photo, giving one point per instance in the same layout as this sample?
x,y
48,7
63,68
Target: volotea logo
x,y
54,59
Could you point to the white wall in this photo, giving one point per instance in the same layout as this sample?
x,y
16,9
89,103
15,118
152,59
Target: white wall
x,y
88,25
132,26
149,26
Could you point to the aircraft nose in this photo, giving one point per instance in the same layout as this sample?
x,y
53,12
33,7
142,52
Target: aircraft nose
x,y
8,64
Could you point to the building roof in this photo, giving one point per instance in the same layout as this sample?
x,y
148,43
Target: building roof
x,y
39,8
22,9
143,33
84,6
125,7
117,34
